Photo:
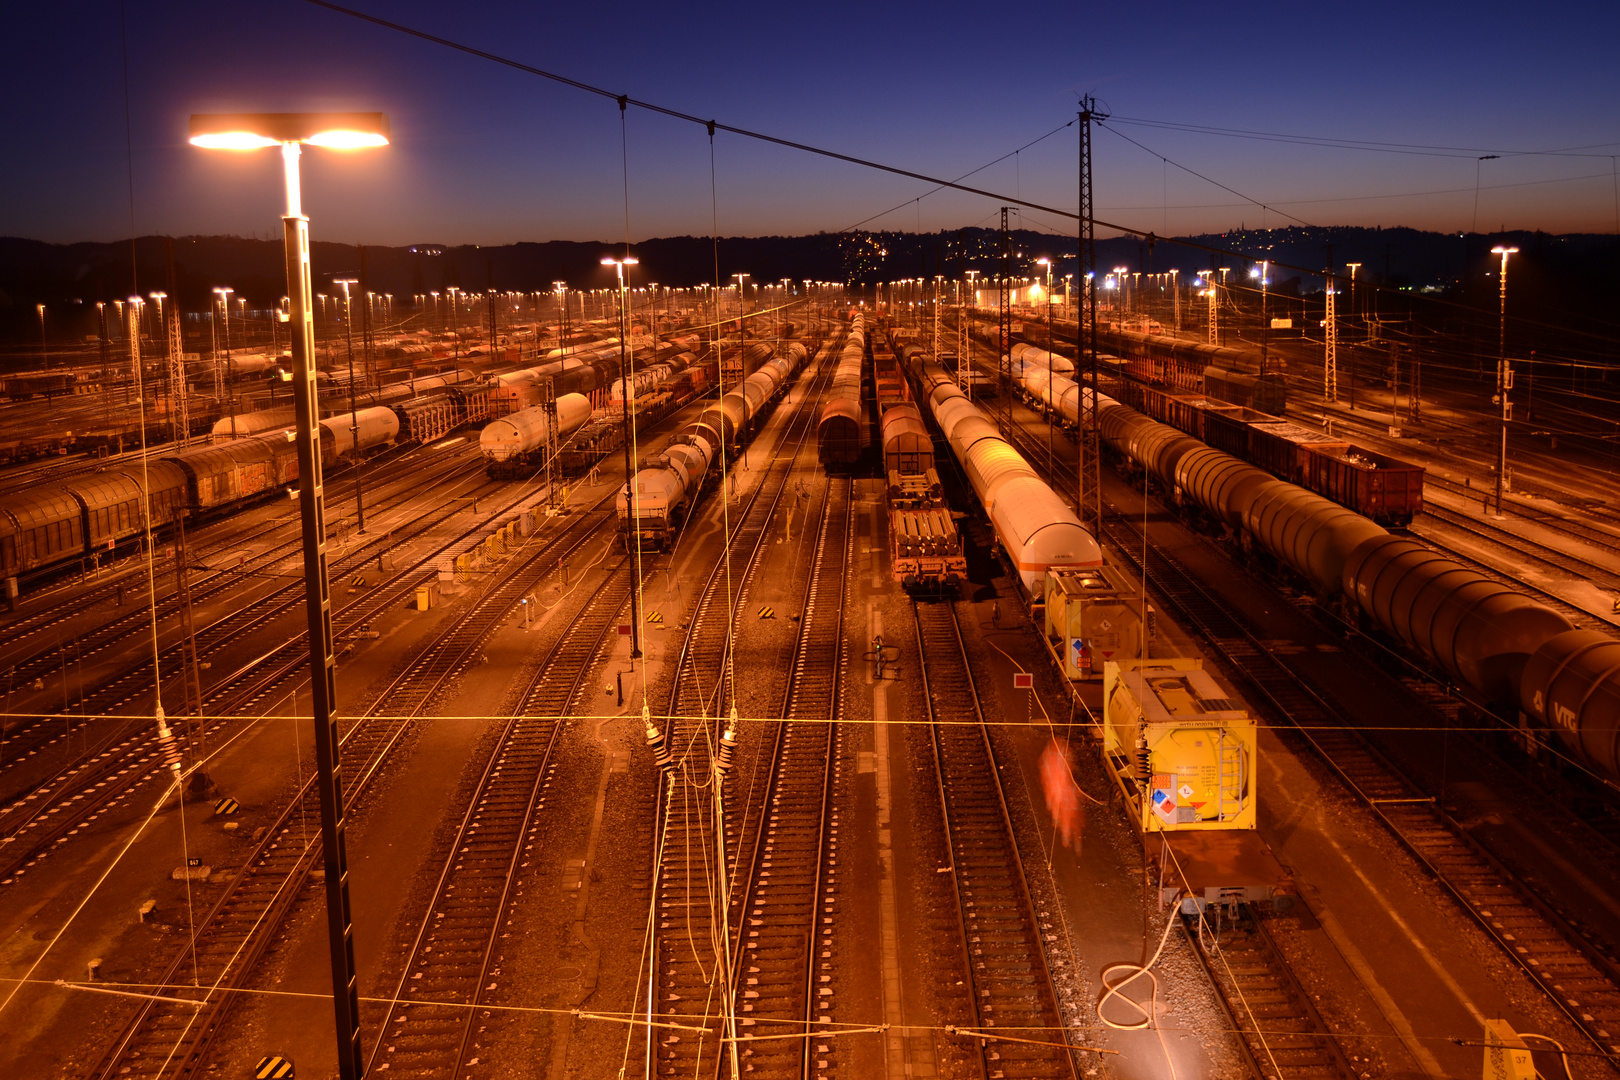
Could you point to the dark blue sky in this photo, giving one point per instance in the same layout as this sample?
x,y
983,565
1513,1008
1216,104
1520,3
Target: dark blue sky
x,y
483,154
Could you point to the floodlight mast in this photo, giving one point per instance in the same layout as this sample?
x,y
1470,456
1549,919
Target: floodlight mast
x,y
335,131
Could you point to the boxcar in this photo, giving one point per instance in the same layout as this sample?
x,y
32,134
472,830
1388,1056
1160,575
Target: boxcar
x,y
1268,392
1282,449
220,475
1386,489
47,527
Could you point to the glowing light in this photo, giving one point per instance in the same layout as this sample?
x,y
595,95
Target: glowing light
x,y
347,140
232,140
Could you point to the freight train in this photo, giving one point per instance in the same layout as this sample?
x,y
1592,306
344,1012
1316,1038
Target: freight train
x,y
841,434
730,422
1511,654
85,517
1384,488
925,546
1192,367
60,524
665,489
1033,526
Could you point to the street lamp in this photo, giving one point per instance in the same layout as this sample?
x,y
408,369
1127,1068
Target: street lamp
x,y
1353,268
354,416
1504,374
742,325
631,503
337,131
1265,322
223,371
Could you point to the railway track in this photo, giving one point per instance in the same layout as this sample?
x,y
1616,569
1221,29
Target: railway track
x,y
168,1039
29,738
1279,1030
1017,1021
1519,549
785,891
33,825
687,990
454,961
138,619
1579,981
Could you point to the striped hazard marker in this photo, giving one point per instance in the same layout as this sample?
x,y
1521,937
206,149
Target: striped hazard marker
x,y
274,1067
767,613
655,617
226,806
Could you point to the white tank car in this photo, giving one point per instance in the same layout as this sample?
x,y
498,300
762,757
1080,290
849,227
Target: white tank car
x,y
1031,357
1058,393
527,430
378,425
1037,530
243,425
664,490
1034,526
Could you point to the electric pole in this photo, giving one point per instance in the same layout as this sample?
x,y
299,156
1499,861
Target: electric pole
x,y
1330,340
1089,491
1504,375
1004,301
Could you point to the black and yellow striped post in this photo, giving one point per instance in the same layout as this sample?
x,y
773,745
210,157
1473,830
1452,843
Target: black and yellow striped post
x,y
274,1067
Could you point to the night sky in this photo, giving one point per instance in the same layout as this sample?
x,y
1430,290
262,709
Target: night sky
x,y
484,154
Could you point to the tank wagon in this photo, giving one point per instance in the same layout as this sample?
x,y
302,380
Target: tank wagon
x,y
1186,759
1057,396
523,438
664,492
729,422
841,434
1033,526
1512,654
1026,357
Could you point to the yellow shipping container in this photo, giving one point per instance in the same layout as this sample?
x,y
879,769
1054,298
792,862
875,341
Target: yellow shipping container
x,y
1184,751
1091,619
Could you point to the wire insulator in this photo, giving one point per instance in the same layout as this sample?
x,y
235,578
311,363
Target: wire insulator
x,y
168,745
659,747
728,751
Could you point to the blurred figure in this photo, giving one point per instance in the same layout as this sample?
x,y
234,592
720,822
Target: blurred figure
x,y
1062,795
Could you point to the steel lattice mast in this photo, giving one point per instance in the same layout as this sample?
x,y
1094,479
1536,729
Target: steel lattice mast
x,y
1089,483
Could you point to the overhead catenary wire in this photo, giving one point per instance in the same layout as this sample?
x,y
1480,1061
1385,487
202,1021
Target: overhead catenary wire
x,y
1459,152
714,125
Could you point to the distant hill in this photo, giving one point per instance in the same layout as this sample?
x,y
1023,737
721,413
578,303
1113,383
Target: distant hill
x,y
1562,278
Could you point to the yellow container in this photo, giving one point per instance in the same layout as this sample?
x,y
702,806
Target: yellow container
x,y
1186,753
1092,617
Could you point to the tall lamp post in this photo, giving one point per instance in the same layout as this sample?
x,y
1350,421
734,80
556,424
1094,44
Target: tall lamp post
x,y
225,384
631,503
289,131
742,325
1504,375
1265,320
354,415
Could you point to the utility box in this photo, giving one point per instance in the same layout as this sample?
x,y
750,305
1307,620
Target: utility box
x,y
1186,752
427,596
1506,1055
1091,618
